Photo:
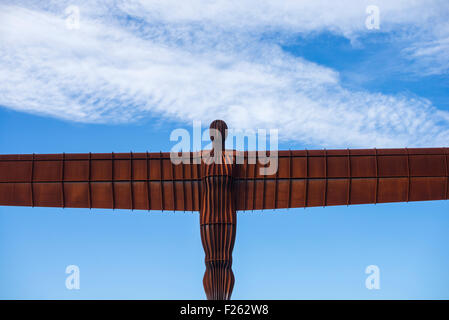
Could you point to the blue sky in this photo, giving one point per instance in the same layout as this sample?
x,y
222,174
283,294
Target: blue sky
x,y
133,72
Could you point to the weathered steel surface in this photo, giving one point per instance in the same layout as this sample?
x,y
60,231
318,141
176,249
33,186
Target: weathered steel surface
x,y
147,181
346,177
217,216
151,182
218,228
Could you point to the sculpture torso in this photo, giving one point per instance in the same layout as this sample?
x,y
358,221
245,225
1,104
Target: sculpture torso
x,y
218,227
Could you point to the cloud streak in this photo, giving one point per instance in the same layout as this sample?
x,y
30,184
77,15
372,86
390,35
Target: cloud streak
x,y
200,62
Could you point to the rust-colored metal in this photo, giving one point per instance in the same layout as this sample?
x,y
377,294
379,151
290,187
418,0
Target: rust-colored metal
x,y
218,228
131,179
87,181
218,221
150,181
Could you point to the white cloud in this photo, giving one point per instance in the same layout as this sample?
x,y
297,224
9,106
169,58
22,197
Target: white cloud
x,y
431,56
345,16
202,61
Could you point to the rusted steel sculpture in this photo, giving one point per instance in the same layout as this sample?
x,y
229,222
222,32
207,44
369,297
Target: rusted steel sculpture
x,y
218,218
150,181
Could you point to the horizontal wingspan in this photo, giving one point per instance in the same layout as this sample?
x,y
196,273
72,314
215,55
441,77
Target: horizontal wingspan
x,y
345,177
150,181
146,181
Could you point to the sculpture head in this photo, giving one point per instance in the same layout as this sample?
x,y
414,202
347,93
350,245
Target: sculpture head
x,y
221,127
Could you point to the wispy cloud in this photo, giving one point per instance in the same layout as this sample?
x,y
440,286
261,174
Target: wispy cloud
x,y
203,60
431,56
